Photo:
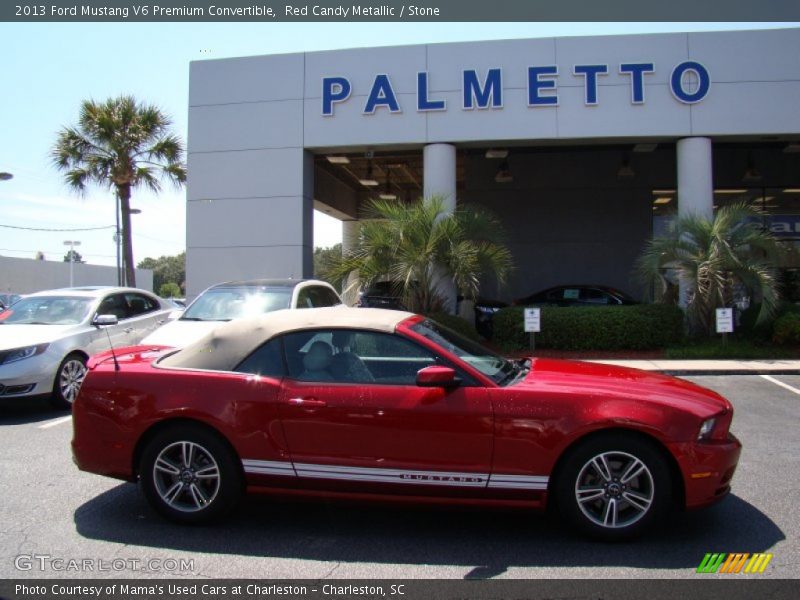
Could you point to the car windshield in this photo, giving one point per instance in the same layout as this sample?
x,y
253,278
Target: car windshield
x,y
501,370
224,304
47,310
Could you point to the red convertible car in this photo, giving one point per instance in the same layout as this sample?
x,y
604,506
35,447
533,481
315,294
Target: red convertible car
x,y
381,404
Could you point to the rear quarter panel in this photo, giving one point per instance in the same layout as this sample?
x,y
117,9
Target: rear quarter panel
x,y
115,409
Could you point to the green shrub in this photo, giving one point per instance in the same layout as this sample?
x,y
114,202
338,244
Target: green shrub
x,y
786,329
457,324
763,332
636,327
169,290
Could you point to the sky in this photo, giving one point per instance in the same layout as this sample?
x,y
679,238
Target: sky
x,y
51,68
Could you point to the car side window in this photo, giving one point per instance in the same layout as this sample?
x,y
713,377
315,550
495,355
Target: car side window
x,y
571,294
266,360
114,304
139,304
355,357
594,296
322,296
304,299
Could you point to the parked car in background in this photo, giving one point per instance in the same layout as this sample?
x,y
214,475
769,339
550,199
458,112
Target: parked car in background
x,y
386,294
485,310
237,299
577,295
7,300
177,303
47,337
382,294
371,403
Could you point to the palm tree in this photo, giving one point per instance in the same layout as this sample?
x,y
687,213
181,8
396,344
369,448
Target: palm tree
x,y
710,257
419,246
121,144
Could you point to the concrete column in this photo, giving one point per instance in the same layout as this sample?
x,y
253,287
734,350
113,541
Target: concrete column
x,y
439,163
350,232
695,177
439,166
695,184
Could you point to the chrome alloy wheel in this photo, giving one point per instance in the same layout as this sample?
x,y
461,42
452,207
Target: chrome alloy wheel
x,y
614,489
186,476
70,378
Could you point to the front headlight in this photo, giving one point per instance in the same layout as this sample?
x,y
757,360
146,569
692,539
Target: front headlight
x,y
706,428
15,354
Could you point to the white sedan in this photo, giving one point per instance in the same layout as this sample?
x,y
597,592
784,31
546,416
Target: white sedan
x,y
238,299
46,338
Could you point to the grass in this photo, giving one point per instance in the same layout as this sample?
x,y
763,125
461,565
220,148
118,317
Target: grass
x,y
733,349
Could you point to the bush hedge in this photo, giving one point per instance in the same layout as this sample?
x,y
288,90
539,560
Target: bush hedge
x,y
635,327
457,324
786,329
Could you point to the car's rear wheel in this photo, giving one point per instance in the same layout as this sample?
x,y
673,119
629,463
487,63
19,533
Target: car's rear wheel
x,y
189,475
614,487
69,377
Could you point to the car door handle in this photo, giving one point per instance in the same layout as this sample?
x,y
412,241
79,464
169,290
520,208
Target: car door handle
x,y
128,330
308,402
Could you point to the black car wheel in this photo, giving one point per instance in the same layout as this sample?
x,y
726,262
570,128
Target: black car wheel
x,y
189,475
613,487
69,378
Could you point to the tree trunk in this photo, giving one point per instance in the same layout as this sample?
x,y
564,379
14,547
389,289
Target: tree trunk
x,y
124,192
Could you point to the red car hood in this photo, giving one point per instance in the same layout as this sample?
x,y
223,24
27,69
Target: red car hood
x,y
600,381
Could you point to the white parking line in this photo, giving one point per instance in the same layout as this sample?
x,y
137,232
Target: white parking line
x,y
783,385
61,420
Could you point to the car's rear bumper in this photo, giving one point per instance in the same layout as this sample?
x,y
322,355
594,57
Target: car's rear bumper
x,y
101,443
707,468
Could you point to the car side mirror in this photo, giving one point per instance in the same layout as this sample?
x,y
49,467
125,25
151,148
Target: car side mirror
x,y
437,376
105,320
175,314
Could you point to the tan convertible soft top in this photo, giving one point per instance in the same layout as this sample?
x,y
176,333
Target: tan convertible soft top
x,y
230,343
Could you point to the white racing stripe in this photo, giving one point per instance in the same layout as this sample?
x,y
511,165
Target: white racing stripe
x,y
794,390
521,482
411,477
55,422
268,467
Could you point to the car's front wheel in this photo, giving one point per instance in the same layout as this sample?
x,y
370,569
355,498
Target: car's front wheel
x,y
189,475
614,487
69,377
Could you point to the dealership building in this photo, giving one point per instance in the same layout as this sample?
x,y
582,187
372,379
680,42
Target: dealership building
x,y
582,146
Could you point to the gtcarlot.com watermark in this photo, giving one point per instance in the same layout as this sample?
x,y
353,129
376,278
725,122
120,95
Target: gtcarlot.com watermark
x,y
62,564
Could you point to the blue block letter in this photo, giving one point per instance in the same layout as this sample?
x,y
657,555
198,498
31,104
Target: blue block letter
x,y
676,82
479,96
536,85
423,103
590,73
381,94
334,89
637,71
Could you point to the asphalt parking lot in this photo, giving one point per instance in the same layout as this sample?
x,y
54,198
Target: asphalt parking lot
x,y
53,514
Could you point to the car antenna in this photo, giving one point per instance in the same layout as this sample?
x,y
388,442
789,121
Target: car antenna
x,y
113,354
111,346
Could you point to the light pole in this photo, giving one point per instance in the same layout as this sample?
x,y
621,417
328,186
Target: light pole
x,y
71,244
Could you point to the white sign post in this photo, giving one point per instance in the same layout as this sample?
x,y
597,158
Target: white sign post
x,y
533,323
724,322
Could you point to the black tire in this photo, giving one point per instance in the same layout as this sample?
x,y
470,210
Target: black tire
x,y
615,506
67,383
203,487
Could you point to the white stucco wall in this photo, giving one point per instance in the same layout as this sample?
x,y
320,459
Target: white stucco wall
x,y
25,275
